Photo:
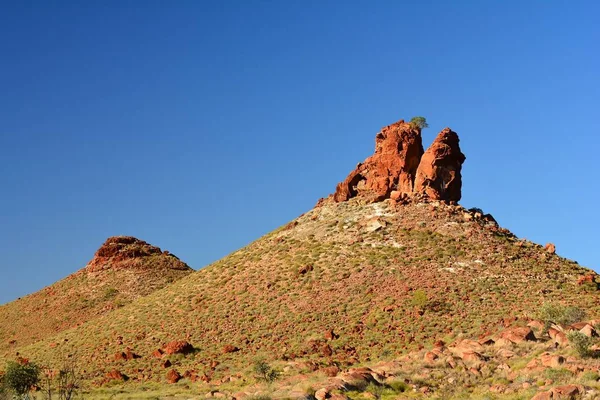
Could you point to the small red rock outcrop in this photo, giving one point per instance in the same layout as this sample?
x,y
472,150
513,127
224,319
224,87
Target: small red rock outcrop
x,y
400,168
438,174
173,376
124,251
115,375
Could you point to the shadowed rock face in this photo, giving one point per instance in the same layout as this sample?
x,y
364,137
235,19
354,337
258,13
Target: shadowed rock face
x,y
399,165
438,175
398,150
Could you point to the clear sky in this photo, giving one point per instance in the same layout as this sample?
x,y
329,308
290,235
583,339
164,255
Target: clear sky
x,y
199,126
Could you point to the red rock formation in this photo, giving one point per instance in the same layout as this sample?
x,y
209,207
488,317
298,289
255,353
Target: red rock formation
x,y
400,169
398,149
438,175
126,251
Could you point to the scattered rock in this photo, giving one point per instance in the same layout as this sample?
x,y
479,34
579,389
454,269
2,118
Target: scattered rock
x,y
115,375
331,371
321,394
330,335
304,269
550,248
173,376
536,325
430,357
547,395
158,353
518,334
589,279
126,355
465,347
229,349
551,360
373,224
178,347
326,350
566,392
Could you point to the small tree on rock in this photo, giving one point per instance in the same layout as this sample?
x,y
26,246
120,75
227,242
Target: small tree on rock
x,y
419,122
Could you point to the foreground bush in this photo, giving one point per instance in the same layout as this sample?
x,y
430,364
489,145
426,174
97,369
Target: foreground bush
x,y
21,377
264,372
581,343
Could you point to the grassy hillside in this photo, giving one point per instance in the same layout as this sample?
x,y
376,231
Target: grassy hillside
x,y
387,279
120,273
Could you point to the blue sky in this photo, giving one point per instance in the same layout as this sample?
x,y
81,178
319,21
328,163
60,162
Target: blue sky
x,y
199,126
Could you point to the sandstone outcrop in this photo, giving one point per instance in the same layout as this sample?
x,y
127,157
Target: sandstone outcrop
x,y
400,168
398,151
120,252
438,174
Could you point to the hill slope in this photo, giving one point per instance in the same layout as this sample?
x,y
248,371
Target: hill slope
x,y
388,265
123,269
351,267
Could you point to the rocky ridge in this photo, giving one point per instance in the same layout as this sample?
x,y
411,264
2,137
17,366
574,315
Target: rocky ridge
x,y
120,252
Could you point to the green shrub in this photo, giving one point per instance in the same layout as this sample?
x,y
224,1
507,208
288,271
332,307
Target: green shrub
x,y
375,389
20,377
419,122
581,343
3,390
558,374
109,293
398,386
264,372
552,313
419,299
590,376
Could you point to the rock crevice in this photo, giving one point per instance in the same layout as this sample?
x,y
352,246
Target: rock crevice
x,y
400,165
